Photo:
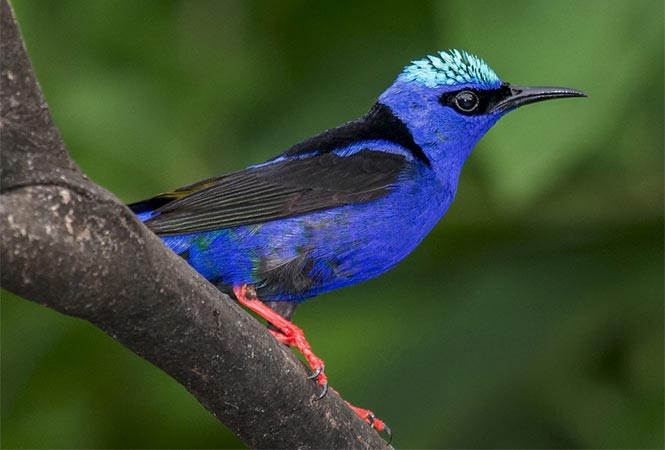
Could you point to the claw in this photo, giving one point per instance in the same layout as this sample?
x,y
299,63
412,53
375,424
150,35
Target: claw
x,y
324,391
387,430
370,418
317,372
324,387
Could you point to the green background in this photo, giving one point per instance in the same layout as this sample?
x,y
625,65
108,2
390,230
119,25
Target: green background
x,y
532,316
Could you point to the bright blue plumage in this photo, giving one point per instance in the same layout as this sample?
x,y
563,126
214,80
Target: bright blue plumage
x,y
349,204
347,245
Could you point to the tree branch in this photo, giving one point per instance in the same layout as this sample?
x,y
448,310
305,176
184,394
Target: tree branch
x,y
71,245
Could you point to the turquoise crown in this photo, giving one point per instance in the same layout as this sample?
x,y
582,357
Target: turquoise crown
x,y
450,68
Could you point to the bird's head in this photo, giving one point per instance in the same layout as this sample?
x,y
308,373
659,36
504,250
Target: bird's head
x,y
450,100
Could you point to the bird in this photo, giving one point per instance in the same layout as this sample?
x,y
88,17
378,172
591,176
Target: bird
x,y
345,205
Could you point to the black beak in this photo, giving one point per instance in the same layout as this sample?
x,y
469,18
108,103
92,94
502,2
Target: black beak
x,y
523,95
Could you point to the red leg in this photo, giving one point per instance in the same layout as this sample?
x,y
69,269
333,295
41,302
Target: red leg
x,y
288,332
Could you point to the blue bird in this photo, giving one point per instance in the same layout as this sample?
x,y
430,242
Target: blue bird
x,y
343,206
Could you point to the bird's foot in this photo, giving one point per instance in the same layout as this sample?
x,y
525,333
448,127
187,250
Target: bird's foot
x,y
373,421
296,339
287,333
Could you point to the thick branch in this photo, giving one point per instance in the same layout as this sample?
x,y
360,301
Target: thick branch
x,y
71,245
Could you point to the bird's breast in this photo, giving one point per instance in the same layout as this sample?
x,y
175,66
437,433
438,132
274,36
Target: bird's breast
x,y
350,244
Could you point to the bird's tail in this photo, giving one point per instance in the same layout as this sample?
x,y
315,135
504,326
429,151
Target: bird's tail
x,y
147,209
144,209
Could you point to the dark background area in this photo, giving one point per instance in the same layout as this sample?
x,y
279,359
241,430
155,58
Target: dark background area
x,y
532,316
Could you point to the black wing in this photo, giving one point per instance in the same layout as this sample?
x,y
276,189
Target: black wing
x,y
277,190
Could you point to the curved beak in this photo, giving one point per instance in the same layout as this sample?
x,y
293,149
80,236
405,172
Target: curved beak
x,y
523,95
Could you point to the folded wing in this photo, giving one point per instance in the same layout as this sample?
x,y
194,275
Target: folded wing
x,y
279,189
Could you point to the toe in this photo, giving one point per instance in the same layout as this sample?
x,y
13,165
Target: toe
x,y
324,391
318,371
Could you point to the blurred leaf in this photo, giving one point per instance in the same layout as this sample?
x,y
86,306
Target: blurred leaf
x,y
532,317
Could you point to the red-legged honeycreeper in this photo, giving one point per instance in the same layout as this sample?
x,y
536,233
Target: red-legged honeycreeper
x,y
345,205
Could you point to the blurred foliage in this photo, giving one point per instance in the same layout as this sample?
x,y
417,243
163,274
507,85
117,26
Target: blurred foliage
x,y
531,317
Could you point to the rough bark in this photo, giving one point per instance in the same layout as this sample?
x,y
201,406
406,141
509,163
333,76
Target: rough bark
x,y
73,246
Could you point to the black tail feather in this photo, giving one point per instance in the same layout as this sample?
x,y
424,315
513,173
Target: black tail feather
x,y
150,204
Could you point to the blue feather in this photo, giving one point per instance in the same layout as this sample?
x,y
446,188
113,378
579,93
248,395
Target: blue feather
x,y
350,203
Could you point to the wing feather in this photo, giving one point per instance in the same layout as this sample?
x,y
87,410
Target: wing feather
x,y
277,190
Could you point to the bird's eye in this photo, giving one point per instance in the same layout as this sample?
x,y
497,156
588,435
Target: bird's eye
x,y
466,101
